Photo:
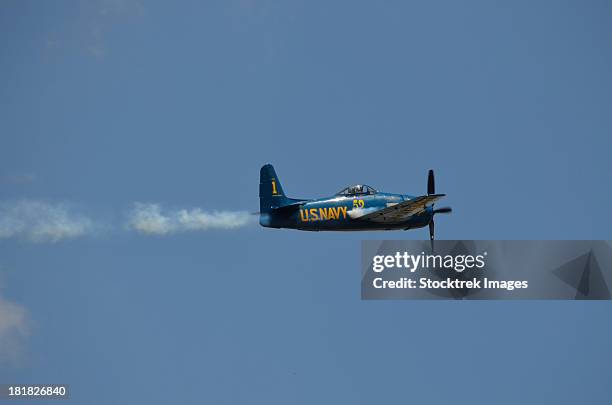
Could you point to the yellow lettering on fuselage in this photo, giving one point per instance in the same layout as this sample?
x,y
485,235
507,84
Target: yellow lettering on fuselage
x,y
322,214
314,216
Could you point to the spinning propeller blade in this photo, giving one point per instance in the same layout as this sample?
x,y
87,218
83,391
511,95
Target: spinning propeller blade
x,y
431,233
431,189
431,183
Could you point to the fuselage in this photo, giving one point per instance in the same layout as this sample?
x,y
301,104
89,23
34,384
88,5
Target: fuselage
x,y
342,213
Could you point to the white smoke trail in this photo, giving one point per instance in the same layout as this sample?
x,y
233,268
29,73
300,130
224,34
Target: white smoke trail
x,y
13,330
150,219
41,222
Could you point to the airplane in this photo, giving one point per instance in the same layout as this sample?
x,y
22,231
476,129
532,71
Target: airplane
x,y
355,208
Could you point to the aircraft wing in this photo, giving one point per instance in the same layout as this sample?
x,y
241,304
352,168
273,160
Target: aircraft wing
x,y
402,211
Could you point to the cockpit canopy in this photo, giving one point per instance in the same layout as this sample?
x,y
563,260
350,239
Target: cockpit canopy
x,y
357,189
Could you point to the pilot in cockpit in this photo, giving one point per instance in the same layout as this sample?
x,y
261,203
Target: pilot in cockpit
x,y
357,189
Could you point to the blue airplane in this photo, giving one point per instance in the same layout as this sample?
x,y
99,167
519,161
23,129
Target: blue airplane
x,y
354,208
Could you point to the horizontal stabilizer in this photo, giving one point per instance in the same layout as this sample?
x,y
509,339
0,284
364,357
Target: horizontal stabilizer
x,y
292,206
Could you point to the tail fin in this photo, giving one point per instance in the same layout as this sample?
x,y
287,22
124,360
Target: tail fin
x,y
271,194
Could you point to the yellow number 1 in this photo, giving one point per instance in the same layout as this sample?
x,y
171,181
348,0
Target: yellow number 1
x,y
274,187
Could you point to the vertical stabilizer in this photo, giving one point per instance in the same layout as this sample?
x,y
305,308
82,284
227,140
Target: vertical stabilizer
x,y
271,194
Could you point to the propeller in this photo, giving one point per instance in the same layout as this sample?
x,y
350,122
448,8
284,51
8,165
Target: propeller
x,y
431,183
431,189
432,227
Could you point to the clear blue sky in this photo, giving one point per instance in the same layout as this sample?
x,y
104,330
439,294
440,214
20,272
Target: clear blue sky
x,y
106,103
